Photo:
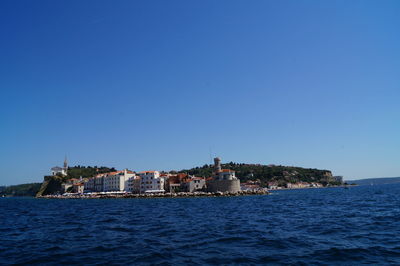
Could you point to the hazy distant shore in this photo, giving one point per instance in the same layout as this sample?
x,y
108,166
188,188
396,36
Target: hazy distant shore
x,y
341,186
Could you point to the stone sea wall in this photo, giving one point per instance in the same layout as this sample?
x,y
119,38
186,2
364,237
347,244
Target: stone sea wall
x,y
154,195
232,186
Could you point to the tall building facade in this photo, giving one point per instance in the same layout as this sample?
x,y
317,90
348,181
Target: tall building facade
x,y
151,181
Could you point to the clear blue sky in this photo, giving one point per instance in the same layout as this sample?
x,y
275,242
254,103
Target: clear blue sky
x,y
151,85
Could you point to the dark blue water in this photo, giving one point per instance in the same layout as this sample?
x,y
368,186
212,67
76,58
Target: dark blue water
x,y
314,226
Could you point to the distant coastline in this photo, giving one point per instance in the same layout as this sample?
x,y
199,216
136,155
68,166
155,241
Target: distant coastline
x,y
376,181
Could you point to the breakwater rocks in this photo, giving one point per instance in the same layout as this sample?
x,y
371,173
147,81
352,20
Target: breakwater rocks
x,y
154,195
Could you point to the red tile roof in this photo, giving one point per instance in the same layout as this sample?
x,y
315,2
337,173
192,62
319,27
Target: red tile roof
x,y
227,170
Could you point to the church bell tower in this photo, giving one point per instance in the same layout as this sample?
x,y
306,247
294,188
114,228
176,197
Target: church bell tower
x,y
65,165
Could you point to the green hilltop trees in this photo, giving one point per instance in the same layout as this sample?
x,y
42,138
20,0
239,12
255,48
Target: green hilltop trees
x,y
21,190
267,173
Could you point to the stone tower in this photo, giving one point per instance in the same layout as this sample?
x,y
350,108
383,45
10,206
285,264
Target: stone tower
x,y
224,180
65,165
217,165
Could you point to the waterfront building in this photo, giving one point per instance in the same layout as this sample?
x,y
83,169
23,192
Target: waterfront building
x,y
136,185
99,182
174,182
316,185
90,185
250,186
56,170
273,185
133,184
226,174
224,180
297,185
193,184
151,181
116,181
65,187
78,188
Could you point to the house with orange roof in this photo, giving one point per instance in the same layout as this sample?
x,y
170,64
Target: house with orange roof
x,y
78,188
194,184
175,181
95,183
225,174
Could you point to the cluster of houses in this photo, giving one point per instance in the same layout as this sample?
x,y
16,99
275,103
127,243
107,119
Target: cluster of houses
x,y
275,185
159,182
137,183
223,180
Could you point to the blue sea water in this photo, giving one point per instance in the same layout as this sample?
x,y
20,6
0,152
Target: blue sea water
x,y
360,225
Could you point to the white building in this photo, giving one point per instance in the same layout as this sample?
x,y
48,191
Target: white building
x,y
96,183
133,184
151,181
56,170
117,181
226,174
193,184
90,185
99,182
78,188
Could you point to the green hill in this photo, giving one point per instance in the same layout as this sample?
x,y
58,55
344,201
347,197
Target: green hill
x,y
87,171
21,190
267,173
52,184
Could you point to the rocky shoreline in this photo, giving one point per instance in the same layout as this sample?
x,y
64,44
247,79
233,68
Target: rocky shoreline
x,y
154,195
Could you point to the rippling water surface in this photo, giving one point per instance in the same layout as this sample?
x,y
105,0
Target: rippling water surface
x,y
314,226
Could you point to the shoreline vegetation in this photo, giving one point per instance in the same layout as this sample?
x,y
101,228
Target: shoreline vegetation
x,y
21,190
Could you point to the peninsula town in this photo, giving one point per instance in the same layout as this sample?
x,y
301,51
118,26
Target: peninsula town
x,y
210,180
